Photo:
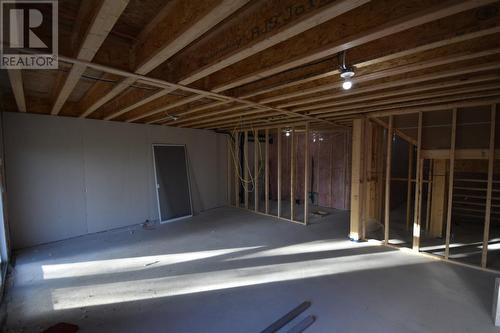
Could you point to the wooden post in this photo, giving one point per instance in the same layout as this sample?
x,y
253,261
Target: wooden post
x,y
356,172
256,156
237,170
408,192
450,184
246,168
416,216
266,171
229,169
438,197
279,171
489,190
292,174
388,181
429,194
306,174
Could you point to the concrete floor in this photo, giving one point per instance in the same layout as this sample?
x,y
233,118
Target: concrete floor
x,y
229,270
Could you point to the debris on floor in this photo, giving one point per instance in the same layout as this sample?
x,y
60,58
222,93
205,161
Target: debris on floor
x,y
320,213
148,225
62,328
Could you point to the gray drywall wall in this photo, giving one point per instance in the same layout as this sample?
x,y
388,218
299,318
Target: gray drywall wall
x,y
67,177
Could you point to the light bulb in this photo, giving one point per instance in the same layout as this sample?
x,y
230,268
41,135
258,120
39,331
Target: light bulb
x,y
287,133
347,85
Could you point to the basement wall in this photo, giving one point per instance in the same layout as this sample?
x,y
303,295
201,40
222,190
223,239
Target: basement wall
x,y
68,177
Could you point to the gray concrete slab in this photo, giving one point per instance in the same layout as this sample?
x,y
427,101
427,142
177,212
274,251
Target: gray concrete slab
x,y
229,270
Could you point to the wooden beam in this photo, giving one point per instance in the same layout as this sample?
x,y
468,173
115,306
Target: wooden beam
x,y
287,60
453,39
397,83
418,196
377,75
292,173
387,210
491,161
277,30
450,183
172,33
279,169
103,20
177,30
16,82
266,181
306,175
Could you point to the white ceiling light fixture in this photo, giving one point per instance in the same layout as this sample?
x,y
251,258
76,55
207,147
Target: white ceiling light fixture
x,y
346,71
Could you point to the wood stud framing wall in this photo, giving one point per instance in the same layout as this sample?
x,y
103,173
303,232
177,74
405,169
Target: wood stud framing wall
x,y
361,152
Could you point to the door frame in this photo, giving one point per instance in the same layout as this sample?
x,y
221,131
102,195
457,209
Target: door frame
x,y
156,182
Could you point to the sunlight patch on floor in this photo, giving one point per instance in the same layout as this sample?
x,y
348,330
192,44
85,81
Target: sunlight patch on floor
x,y
109,293
121,265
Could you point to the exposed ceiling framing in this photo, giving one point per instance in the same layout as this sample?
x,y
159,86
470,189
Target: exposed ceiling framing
x,y
222,64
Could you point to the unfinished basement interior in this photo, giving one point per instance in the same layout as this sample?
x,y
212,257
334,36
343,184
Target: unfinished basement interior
x,y
250,166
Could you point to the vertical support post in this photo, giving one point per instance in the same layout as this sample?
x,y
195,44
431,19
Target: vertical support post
x,y
450,184
279,171
489,190
356,180
237,169
292,174
408,192
418,169
256,157
266,171
306,174
246,168
429,194
229,169
388,180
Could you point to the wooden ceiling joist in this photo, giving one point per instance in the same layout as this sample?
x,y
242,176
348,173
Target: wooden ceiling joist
x,y
288,60
148,55
394,55
286,29
103,19
16,82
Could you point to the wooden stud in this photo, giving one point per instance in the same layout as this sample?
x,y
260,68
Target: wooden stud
x,y
487,214
306,174
429,194
279,170
450,183
387,210
267,172
237,169
416,214
256,157
16,82
408,191
229,169
246,168
292,173
356,181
